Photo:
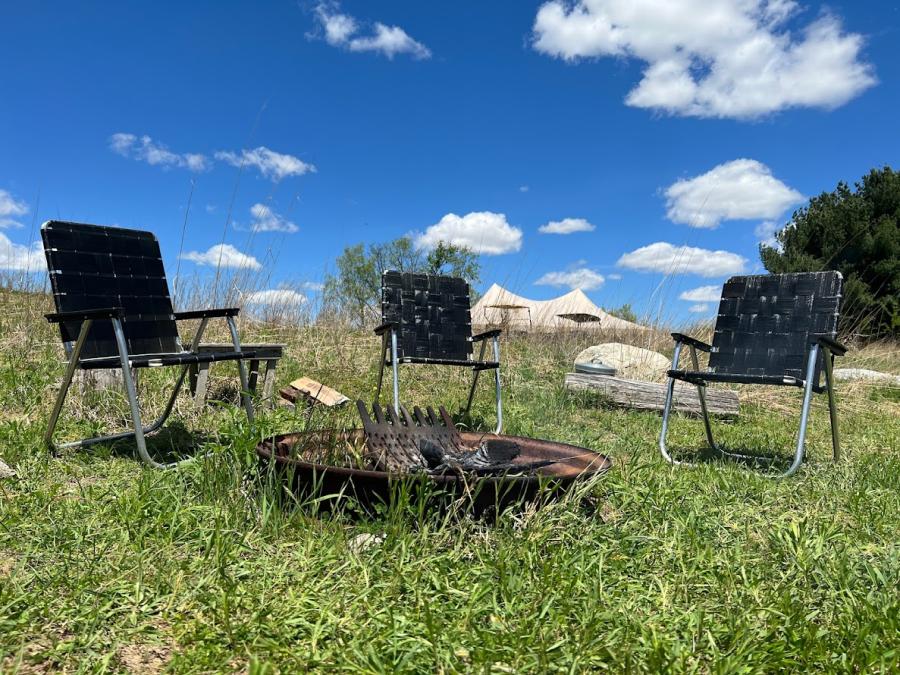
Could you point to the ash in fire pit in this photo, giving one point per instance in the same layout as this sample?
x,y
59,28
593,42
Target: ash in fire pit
x,y
434,445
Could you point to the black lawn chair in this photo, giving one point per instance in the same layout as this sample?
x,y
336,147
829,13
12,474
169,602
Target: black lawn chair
x,y
771,329
426,320
114,311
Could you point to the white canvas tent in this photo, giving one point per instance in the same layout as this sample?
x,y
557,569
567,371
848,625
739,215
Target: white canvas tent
x,y
500,307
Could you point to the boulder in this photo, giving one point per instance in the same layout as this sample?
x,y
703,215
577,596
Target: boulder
x,y
874,376
632,363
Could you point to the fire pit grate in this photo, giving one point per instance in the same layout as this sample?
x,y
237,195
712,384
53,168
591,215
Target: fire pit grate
x,y
518,469
431,443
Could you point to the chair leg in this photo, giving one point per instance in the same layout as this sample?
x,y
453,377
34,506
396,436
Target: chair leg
x,y
701,394
383,358
475,379
67,381
499,392
147,430
804,412
832,406
246,399
396,374
667,408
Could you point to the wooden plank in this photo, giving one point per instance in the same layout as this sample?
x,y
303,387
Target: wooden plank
x,y
652,395
313,391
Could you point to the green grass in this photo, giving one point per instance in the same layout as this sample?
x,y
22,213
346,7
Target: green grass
x,y
108,566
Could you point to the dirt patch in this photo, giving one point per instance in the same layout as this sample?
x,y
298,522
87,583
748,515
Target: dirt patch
x,y
7,563
27,661
140,659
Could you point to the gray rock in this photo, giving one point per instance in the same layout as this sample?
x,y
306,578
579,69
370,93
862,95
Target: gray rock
x,y
851,374
632,363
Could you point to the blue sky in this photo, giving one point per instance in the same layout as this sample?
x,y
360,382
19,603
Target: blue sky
x,y
646,126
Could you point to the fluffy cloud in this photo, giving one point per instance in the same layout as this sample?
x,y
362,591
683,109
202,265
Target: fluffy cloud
x,y
21,258
566,226
614,277
273,165
699,308
765,232
736,190
479,231
223,255
276,297
702,294
145,149
729,58
666,258
314,286
342,30
10,209
266,220
583,278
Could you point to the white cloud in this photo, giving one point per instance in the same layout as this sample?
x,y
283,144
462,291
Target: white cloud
x,y
699,308
729,58
266,220
583,278
479,231
224,255
342,30
273,165
614,276
702,294
566,226
736,190
666,258
10,209
21,258
313,286
765,232
524,188
145,149
277,297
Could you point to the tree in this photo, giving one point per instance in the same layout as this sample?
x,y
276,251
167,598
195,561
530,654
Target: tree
x,y
856,232
624,312
355,291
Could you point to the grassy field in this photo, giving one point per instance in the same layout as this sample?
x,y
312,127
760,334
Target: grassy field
x,y
106,566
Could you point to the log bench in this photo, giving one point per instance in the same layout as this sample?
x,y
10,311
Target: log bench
x,y
641,395
270,353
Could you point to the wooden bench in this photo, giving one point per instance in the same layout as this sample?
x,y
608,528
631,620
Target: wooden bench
x,y
270,353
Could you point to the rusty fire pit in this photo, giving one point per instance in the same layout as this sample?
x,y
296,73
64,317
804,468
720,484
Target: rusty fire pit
x,y
334,465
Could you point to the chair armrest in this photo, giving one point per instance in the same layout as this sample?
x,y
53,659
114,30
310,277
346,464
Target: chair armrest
x,y
831,345
385,327
694,342
207,313
82,315
486,335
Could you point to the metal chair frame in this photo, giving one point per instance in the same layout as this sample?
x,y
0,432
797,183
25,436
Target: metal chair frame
x,y
126,361
817,345
391,354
